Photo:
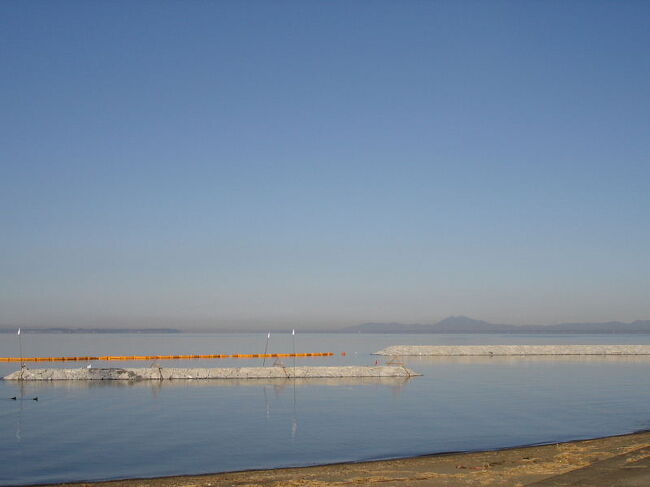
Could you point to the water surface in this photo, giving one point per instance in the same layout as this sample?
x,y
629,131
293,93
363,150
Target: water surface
x,y
108,430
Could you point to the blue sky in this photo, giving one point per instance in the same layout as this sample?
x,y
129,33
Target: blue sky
x,y
319,164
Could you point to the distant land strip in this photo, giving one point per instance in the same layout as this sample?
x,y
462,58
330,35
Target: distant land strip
x,y
90,330
452,324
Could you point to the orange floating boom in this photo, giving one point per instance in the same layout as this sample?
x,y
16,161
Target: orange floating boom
x,y
163,357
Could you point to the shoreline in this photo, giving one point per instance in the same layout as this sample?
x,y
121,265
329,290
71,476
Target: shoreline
x,y
620,457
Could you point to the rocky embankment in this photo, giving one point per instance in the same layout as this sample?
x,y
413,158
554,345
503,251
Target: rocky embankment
x,y
513,350
160,373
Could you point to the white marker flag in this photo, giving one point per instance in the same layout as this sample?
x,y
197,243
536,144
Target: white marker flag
x,y
19,331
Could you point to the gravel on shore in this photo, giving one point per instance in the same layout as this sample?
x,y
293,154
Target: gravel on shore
x,y
619,460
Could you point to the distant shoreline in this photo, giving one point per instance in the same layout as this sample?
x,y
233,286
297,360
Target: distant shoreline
x,y
109,331
90,330
450,325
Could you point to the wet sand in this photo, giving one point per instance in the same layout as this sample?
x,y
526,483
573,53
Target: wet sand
x,y
613,461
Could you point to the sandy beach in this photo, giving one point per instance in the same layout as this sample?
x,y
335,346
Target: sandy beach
x,y
613,461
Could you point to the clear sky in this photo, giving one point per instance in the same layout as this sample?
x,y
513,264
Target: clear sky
x,y
308,164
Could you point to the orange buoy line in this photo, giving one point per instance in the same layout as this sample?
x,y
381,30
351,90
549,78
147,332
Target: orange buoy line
x,y
162,357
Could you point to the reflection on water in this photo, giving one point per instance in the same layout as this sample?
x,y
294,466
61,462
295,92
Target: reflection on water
x,y
188,383
21,398
84,415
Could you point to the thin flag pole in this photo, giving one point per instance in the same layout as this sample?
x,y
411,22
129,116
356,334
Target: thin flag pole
x,y
294,422
266,348
293,333
20,348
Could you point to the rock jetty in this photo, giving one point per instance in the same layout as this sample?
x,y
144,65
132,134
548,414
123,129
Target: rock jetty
x,y
160,373
513,350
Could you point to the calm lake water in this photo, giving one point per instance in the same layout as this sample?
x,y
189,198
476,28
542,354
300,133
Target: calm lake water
x,y
103,430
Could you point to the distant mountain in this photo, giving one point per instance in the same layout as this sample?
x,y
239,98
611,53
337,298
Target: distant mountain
x,y
453,324
90,330
463,324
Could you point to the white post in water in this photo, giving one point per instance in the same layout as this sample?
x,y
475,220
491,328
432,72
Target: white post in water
x,y
293,333
20,348
266,348
294,424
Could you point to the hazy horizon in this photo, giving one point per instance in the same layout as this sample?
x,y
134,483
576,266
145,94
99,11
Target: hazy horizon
x,y
323,164
263,327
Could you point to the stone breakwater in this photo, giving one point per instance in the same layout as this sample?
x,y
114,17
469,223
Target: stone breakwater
x,y
514,350
159,373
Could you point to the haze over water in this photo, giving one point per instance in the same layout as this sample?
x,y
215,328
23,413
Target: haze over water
x,y
236,165
92,430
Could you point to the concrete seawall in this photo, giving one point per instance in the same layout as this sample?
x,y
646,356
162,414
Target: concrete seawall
x,y
514,350
156,373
